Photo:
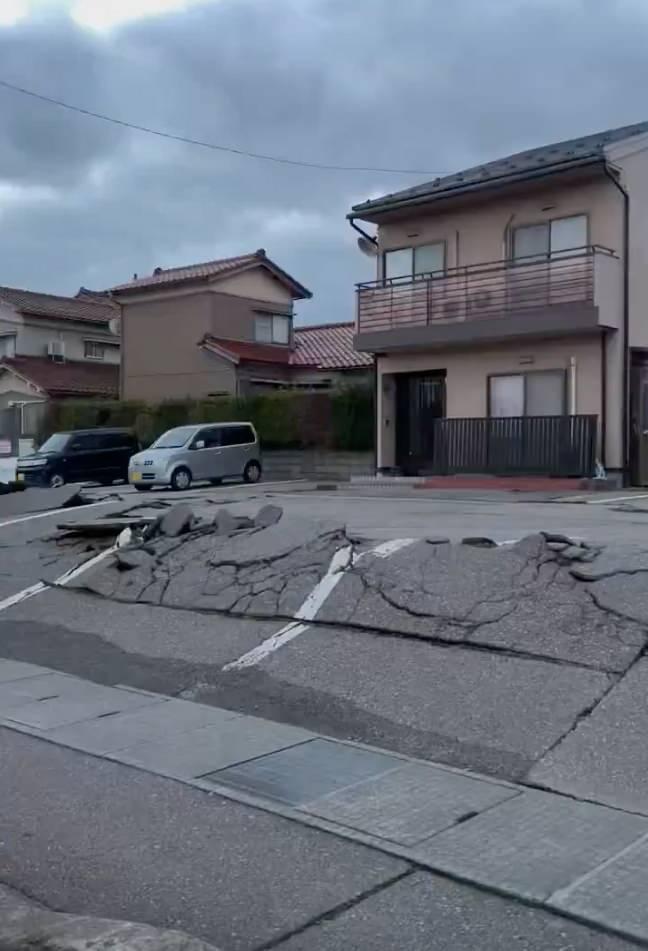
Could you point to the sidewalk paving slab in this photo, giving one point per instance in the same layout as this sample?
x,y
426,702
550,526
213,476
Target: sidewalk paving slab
x,y
208,748
307,772
614,895
52,699
411,803
533,845
152,723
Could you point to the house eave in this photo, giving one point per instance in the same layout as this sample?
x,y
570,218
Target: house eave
x,y
372,211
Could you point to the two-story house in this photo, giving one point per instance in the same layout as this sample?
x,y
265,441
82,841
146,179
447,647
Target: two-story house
x,y
226,327
509,315
57,347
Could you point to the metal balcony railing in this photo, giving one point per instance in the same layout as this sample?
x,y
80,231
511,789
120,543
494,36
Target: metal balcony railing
x,y
480,291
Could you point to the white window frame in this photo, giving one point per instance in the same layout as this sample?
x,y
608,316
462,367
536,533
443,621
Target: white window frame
x,y
7,345
88,345
523,378
411,274
274,324
550,252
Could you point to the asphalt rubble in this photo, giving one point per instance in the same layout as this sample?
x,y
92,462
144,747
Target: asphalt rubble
x,y
24,924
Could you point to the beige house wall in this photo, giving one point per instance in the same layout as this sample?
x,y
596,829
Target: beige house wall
x,y
478,233
632,160
161,358
257,284
467,373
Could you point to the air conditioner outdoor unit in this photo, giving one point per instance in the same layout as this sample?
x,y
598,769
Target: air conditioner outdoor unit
x,y
56,350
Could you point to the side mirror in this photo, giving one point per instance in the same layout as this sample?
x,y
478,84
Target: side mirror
x,y
200,444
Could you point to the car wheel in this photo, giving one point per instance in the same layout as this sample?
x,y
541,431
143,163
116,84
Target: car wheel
x,y
252,472
142,488
56,480
215,481
181,479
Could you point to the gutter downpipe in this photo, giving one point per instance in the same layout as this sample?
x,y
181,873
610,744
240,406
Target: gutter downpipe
x,y
625,431
362,232
375,358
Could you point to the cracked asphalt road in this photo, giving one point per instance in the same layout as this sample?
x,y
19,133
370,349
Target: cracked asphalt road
x,y
496,659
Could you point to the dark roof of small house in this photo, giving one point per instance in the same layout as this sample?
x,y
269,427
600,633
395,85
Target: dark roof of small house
x,y
320,347
328,347
81,309
211,270
238,350
68,378
529,163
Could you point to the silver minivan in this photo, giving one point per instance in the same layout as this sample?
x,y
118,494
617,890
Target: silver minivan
x,y
187,454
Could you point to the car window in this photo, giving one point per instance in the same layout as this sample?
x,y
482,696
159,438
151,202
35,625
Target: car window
x,y
237,435
211,437
174,438
116,441
84,442
56,443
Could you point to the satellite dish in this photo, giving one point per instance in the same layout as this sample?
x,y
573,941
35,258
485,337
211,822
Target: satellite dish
x,y
114,326
367,247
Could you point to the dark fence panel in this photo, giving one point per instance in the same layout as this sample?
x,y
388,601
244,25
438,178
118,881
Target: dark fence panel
x,y
509,445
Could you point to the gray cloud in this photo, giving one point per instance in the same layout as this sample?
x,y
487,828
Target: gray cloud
x,y
409,84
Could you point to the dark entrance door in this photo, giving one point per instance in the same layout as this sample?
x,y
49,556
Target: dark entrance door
x,y
639,416
420,399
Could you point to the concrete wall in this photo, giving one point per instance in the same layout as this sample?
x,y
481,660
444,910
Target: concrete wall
x,y
317,465
467,375
477,232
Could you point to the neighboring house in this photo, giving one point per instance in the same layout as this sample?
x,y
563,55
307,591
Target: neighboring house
x,y
57,347
322,357
509,318
224,327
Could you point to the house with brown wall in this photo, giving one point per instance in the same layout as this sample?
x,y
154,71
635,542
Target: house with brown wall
x,y
226,327
509,315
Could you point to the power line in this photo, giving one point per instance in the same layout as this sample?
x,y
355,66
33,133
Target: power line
x,y
205,145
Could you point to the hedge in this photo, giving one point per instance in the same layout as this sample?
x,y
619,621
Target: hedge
x,y
342,419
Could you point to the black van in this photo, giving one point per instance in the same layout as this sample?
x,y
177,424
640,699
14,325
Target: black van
x,y
85,455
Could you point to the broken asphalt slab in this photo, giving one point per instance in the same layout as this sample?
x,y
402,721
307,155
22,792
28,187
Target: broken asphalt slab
x,y
41,500
522,597
26,924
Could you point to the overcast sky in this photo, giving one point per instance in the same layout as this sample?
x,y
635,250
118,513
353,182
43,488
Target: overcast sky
x,y
421,84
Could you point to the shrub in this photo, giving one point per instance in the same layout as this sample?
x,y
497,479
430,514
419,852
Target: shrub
x,y
341,419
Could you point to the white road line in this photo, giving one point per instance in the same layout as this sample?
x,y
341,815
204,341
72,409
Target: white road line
x,y
28,518
60,582
340,562
390,548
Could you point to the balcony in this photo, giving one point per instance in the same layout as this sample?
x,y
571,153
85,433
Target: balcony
x,y
576,292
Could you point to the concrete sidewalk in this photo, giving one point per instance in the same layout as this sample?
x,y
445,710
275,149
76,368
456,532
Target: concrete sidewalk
x,y
582,859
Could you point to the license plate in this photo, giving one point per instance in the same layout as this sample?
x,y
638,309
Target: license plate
x,y
20,477
136,476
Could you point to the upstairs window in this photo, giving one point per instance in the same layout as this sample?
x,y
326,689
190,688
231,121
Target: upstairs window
x,y
272,328
561,237
93,350
408,263
8,345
